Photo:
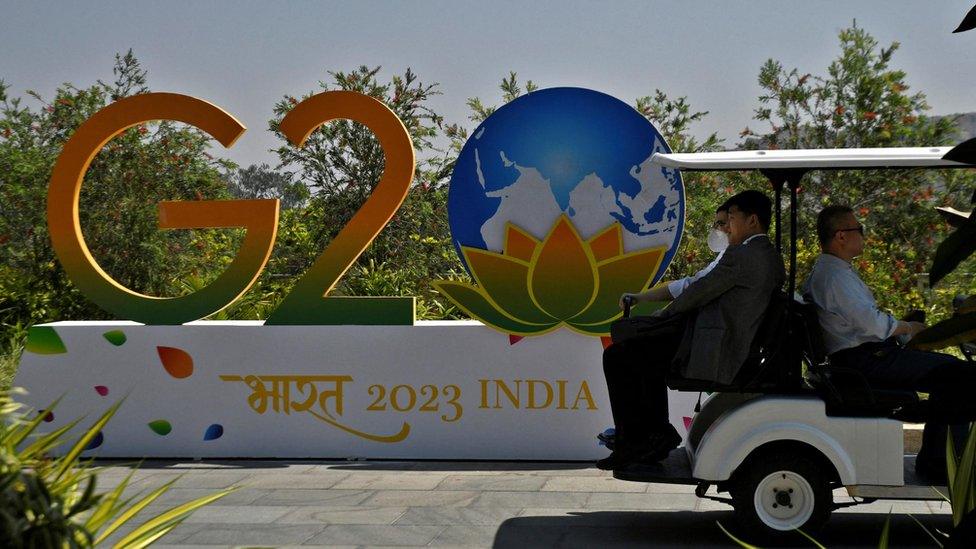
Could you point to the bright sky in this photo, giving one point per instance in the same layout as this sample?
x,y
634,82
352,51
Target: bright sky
x,y
244,56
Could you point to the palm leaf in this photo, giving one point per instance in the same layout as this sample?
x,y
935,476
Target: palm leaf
x,y
968,22
883,540
109,506
924,529
952,251
964,152
68,460
741,543
25,430
811,539
46,442
150,537
962,492
134,510
174,515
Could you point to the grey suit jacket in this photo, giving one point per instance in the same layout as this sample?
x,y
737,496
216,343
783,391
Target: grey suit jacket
x,y
728,305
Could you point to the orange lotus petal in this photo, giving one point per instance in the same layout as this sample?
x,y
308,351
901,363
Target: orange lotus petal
x,y
504,281
518,243
628,273
607,243
562,275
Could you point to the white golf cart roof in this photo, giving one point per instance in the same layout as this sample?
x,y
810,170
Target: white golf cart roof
x,y
898,157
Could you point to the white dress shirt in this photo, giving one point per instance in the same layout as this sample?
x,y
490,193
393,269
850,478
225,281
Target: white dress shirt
x,y
675,287
848,314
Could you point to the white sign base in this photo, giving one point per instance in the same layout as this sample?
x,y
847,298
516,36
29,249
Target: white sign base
x,y
435,390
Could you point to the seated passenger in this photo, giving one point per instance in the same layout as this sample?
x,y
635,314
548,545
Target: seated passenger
x,y
727,303
718,241
859,336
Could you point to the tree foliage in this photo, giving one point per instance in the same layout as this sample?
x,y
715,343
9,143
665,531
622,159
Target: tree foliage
x,y
860,100
118,205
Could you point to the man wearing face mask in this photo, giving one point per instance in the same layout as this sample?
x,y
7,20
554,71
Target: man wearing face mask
x,y
704,334
718,240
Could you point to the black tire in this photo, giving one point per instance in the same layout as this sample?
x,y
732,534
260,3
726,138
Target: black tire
x,y
799,496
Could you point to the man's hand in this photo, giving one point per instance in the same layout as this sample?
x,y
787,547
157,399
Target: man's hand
x,y
915,328
635,299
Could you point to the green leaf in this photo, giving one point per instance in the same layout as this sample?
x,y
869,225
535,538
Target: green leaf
x,y
812,540
926,530
883,540
109,505
134,510
67,461
952,251
30,426
968,22
152,536
735,539
964,152
173,515
962,493
952,462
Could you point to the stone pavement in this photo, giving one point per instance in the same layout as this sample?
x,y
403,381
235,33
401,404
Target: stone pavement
x,y
510,504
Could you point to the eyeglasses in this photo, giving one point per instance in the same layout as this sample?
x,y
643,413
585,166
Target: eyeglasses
x,y
859,228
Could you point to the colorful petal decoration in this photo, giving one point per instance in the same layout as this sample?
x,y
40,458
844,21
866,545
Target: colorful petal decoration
x,y
44,340
115,337
96,441
214,432
535,287
160,427
101,390
177,362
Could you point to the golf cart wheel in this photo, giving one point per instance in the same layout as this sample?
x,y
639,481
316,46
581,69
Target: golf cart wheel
x,y
780,493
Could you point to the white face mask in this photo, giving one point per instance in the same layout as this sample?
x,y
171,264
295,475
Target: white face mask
x,y
718,241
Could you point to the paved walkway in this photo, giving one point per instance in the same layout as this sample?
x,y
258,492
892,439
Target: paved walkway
x,y
383,503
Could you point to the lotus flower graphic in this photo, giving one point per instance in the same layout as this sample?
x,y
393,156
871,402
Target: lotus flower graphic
x,y
534,287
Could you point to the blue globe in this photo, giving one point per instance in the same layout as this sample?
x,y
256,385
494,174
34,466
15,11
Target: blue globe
x,y
568,151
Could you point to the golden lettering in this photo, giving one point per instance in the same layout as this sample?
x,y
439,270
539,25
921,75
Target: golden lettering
x,y
305,385
561,385
531,384
484,393
584,393
513,398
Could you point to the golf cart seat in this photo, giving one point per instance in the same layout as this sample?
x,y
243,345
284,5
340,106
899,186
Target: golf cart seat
x,y
845,391
767,369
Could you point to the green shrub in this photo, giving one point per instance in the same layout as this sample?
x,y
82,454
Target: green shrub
x,y
52,501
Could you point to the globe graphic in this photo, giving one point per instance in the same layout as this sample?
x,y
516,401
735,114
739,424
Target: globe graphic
x,y
568,151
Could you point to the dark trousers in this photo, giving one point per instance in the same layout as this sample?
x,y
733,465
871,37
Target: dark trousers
x,y
636,370
948,381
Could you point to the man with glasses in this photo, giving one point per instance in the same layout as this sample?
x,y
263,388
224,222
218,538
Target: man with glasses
x,y
859,336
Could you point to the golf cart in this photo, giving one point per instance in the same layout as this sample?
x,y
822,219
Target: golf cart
x,y
791,428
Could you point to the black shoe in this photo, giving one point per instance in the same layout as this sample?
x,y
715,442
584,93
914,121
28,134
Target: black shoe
x,y
662,443
654,447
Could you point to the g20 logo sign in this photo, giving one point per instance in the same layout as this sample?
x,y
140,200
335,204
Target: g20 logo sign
x,y
554,206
